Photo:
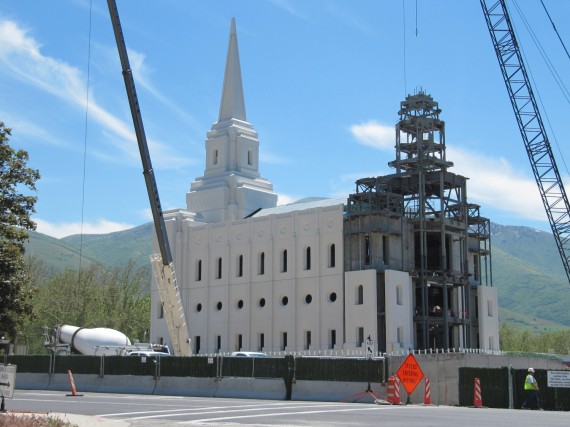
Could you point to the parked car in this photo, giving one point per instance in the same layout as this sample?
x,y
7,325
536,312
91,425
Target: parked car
x,y
248,354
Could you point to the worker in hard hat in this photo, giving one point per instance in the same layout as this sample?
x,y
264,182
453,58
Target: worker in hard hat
x,y
531,391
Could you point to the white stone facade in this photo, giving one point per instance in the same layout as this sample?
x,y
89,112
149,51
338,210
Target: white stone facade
x,y
257,277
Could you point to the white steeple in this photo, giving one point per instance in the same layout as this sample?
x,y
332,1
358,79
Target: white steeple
x,y
232,105
231,187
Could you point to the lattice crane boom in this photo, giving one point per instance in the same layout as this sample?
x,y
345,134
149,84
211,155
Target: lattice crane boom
x,y
530,125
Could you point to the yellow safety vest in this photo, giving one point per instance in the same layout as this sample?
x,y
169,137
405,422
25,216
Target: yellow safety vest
x,y
528,385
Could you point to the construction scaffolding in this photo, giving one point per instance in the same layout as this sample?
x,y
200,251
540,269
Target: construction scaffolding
x,y
418,220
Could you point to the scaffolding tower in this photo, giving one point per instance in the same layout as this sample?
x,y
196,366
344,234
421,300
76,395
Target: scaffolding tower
x,y
442,241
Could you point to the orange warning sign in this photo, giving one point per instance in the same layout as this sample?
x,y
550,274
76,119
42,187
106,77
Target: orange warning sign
x,y
410,373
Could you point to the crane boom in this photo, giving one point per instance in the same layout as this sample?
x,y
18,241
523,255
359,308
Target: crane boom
x,y
530,125
163,265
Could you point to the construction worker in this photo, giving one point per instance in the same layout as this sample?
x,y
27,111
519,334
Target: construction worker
x,y
531,391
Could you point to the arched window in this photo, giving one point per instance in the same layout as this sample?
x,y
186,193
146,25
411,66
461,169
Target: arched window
x,y
219,272
308,258
215,157
199,270
332,255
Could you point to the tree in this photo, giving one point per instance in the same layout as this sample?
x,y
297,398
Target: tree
x,y
98,296
15,218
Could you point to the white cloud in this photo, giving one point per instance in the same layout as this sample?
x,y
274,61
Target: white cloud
x,y
20,54
375,135
287,7
59,230
495,183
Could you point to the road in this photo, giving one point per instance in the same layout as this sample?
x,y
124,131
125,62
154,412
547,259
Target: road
x,y
155,411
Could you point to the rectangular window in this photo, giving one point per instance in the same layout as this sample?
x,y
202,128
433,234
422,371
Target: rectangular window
x,y
308,258
284,341
218,343
197,344
489,308
262,263
261,342
399,295
332,256
284,263
161,311
308,340
400,335
366,250
360,337
239,342
249,161
240,266
199,270
360,295
333,339
385,250
219,272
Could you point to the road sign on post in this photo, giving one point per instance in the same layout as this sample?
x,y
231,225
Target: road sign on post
x,y
370,348
410,374
7,380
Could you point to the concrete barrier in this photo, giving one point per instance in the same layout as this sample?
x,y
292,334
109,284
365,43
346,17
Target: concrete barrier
x,y
251,388
336,391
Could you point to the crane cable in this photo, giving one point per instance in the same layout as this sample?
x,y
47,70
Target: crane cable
x,y
85,139
555,29
553,71
404,41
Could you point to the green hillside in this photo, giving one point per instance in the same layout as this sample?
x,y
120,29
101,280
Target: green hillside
x,y
55,253
527,272
529,276
116,249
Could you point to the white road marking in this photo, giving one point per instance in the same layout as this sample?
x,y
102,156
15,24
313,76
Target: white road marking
x,y
277,414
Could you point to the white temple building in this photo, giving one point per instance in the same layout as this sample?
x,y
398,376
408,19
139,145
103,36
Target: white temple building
x,y
325,274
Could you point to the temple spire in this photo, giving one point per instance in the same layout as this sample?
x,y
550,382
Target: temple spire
x,y
232,105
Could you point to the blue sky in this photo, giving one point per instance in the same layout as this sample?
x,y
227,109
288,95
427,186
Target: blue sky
x,y
323,81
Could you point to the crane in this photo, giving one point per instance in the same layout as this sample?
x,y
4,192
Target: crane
x,y
530,125
163,265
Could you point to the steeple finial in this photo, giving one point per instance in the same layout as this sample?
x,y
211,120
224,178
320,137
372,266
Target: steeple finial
x,y
232,105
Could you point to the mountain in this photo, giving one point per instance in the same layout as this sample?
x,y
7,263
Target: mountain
x,y
526,267
529,277
112,249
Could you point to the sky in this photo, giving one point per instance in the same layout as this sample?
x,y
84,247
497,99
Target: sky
x,y
323,81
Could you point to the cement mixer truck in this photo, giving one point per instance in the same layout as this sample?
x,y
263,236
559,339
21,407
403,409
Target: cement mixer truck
x,y
67,339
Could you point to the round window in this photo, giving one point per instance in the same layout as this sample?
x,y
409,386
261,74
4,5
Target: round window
x,y
332,297
285,300
219,305
262,302
308,298
199,307
240,304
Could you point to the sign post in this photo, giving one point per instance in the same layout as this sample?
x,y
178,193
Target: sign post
x,y
410,375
